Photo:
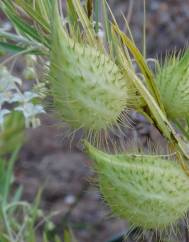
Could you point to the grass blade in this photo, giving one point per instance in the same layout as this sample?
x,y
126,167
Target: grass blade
x,y
149,78
21,25
35,13
11,48
87,25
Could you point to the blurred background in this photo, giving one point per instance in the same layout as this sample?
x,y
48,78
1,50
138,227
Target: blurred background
x,y
48,161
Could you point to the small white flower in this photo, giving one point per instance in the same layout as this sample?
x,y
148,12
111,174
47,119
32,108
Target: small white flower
x,y
6,97
30,110
10,93
24,98
7,81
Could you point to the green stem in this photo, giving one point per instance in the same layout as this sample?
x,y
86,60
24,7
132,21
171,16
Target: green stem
x,y
179,126
97,9
7,225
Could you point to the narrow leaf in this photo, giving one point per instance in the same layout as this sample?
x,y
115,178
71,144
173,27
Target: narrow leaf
x,y
142,64
11,48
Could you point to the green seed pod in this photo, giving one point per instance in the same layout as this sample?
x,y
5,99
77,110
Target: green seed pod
x,y
148,191
88,89
173,83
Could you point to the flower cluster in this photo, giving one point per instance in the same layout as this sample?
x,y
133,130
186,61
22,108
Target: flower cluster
x,y
13,99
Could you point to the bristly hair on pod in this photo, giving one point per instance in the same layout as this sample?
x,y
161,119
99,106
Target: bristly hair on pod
x,y
173,82
150,191
89,90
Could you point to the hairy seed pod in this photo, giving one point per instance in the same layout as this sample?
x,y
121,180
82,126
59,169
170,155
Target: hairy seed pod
x,y
148,191
173,83
88,89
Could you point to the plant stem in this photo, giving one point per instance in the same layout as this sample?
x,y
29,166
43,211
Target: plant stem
x,y
182,129
144,30
97,15
7,225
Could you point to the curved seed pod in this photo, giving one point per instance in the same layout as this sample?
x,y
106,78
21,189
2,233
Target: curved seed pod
x,y
88,89
148,191
173,82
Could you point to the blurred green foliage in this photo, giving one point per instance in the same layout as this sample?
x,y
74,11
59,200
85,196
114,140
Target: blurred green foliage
x,y
12,133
